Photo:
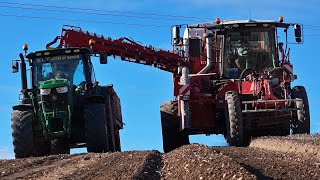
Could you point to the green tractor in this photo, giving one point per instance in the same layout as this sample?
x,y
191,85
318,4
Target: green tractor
x,y
64,106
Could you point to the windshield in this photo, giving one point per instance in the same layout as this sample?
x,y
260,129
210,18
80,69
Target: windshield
x,y
59,67
248,48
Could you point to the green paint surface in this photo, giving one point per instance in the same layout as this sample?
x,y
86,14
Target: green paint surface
x,y
53,83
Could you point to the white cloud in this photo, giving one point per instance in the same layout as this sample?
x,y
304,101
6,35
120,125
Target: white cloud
x,y
6,153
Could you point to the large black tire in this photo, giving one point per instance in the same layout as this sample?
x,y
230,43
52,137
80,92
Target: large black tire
x,y
171,136
60,146
22,133
95,128
301,121
233,113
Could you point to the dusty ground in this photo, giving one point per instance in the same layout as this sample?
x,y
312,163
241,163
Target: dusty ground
x,y
293,157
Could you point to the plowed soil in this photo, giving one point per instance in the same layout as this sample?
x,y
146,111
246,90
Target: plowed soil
x,y
292,157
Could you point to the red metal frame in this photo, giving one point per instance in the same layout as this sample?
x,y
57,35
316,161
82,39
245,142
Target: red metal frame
x,y
125,48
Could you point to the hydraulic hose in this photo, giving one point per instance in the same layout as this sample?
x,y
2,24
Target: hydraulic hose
x,y
278,68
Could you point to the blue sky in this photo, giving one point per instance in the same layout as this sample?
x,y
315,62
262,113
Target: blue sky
x,y
140,88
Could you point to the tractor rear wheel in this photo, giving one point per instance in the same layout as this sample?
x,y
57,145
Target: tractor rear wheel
x,y
233,113
171,136
60,146
22,133
96,136
301,121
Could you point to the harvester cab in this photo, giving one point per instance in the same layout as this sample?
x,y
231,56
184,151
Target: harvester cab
x,y
231,46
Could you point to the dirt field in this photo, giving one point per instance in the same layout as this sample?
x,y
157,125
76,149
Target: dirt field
x,y
293,157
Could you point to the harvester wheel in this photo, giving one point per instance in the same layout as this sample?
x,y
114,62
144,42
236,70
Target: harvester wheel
x,y
22,133
301,121
235,135
60,146
171,136
96,128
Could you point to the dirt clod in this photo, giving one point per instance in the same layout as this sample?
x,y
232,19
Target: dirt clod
x,y
292,157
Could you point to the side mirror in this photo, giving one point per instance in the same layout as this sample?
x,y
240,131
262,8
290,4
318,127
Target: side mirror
x,y
103,58
15,66
176,35
297,33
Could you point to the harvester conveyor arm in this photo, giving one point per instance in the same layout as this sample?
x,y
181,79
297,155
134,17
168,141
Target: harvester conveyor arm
x,y
125,48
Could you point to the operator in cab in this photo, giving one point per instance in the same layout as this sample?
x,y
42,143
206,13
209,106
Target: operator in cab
x,y
243,52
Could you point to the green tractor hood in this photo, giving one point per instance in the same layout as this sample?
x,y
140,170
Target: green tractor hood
x,y
53,83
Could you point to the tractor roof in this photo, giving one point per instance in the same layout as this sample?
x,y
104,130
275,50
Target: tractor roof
x,y
59,51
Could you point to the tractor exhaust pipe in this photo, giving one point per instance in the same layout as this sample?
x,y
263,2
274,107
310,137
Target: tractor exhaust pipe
x,y
209,48
24,82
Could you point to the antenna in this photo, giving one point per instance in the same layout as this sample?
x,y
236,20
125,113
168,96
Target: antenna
x,y
250,12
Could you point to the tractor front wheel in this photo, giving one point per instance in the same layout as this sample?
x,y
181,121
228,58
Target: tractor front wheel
x,y
22,133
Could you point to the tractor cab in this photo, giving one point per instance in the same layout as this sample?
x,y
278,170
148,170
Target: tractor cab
x,y
69,64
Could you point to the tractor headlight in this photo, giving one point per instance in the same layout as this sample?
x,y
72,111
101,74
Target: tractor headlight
x,y
45,91
62,89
